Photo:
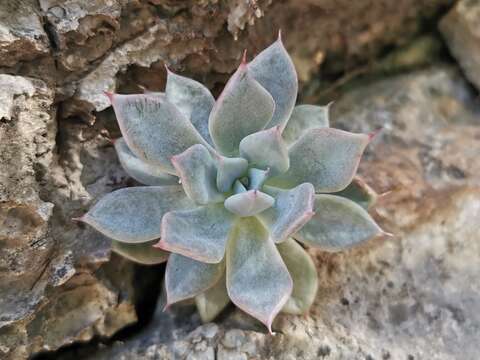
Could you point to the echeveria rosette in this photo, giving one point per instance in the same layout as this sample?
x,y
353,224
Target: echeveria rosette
x,y
233,187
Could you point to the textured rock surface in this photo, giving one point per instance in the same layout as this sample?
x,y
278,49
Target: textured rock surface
x,y
462,34
49,295
22,37
56,58
413,296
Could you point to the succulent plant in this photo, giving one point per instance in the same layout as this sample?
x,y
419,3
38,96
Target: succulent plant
x,y
235,189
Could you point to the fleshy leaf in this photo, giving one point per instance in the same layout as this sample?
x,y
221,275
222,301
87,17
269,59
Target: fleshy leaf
x,y
198,173
326,158
244,107
256,178
338,224
211,302
229,170
186,278
293,208
238,187
266,150
304,275
274,70
248,203
258,281
133,215
140,170
200,234
304,118
360,192
143,253
153,128
192,99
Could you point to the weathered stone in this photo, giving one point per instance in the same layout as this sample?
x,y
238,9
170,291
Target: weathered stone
x,y
22,37
413,296
49,295
462,34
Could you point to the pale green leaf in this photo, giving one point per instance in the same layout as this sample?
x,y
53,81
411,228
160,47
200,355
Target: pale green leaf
x,y
143,253
186,278
304,275
338,224
140,170
200,233
133,215
197,170
258,281
244,107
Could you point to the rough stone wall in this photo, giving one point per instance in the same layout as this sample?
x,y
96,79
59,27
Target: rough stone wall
x,y
57,285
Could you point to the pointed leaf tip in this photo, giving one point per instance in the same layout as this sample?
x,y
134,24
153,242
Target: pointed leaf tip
x,y
244,58
279,38
338,225
78,219
372,135
109,95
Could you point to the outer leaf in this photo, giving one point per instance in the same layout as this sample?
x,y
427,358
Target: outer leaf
x,y
304,275
244,107
192,99
229,170
266,150
153,128
200,234
258,281
338,224
211,302
293,209
140,170
248,203
133,215
143,253
326,158
274,70
360,192
304,118
186,278
198,173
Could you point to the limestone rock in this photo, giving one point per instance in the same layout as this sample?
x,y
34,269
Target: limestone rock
x,y
49,293
413,296
22,37
462,34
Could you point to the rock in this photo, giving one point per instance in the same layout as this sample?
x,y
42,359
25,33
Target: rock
x,y
113,45
22,37
413,296
82,31
49,293
462,34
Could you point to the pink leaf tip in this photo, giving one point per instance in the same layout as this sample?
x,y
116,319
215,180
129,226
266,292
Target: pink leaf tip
x,y
373,134
279,35
168,69
78,219
109,94
244,58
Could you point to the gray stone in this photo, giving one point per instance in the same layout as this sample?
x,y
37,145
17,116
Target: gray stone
x,y
49,294
462,34
22,37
